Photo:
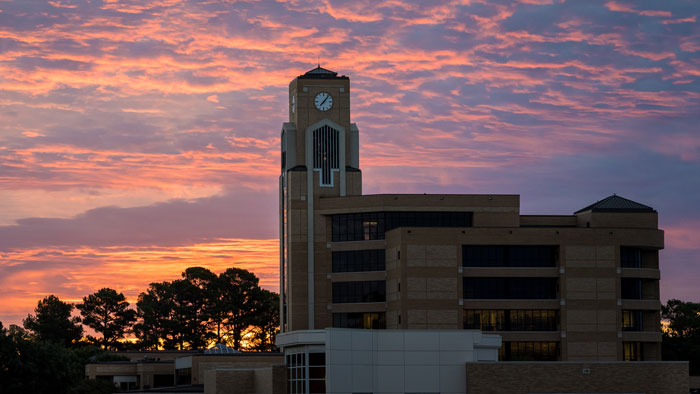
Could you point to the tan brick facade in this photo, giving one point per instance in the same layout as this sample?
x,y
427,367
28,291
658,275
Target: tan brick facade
x,y
577,377
424,274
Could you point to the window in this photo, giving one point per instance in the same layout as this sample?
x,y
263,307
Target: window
x,y
509,288
317,373
631,351
630,257
512,320
360,291
631,320
509,256
372,225
485,320
359,260
296,373
326,153
183,376
631,289
368,320
533,320
163,380
529,351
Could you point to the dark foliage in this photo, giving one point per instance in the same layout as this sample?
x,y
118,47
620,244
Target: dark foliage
x,y
202,307
107,312
39,367
95,386
266,321
681,339
53,322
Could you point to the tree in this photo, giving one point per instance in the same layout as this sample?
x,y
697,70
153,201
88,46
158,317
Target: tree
x,y
40,367
173,315
266,320
155,311
681,338
200,307
196,299
107,312
53,322
239,291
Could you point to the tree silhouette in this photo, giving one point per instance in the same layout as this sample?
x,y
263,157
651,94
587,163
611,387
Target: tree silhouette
x,y
53,322
155,310
681,338
239,299
107,312
202,307
266,320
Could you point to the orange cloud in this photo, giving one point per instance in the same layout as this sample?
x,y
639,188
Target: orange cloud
x,y
70,274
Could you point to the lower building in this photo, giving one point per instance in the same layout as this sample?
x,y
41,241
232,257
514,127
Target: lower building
x,y
212,371
336,360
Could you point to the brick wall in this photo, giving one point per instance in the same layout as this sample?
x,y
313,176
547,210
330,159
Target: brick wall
x,y
563,377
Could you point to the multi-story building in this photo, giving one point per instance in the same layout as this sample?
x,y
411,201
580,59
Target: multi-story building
x,y
577,287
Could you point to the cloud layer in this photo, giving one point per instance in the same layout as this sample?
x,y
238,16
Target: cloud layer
x,y
140,138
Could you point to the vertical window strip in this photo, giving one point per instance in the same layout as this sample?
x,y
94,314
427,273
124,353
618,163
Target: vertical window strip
x,y
326,153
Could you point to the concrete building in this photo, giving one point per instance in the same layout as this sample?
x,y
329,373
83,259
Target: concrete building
x,y
579,288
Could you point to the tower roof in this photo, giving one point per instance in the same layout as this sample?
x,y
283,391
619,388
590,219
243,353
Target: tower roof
x,y
321,73
616,203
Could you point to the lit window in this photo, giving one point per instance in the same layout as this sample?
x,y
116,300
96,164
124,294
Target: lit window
x,y
632,351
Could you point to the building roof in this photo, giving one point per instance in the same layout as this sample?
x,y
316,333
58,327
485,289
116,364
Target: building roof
x,y
616,203
220,348
321,73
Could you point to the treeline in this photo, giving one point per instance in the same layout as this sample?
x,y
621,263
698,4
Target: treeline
x,y
188,313
681,333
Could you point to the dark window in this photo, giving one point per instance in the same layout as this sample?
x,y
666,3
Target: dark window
x,y
183,376
631,289
361,291
631,320
511,320
529,351
162,380
508,256
509,288
372,225
296,373
368,320
317,372
630,257
359,260
632,351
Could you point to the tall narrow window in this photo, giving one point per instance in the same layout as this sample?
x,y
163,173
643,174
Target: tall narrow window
x,y
631,288
326,153
631,320
632,351
630,257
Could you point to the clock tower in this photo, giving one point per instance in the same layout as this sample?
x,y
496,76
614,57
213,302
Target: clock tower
x,y
320,159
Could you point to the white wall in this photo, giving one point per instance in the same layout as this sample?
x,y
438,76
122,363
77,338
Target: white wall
x,y
403,361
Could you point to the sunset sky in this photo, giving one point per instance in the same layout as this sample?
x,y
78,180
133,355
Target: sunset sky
x,y
139,138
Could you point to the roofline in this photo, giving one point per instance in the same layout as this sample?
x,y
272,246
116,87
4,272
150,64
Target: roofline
x,y
615,210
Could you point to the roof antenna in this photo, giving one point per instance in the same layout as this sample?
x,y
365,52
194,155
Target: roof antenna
x,y
318,60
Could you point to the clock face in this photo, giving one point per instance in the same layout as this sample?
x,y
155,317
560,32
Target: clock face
x,y
294,104
323,101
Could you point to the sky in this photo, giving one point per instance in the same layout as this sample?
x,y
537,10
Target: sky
x,y
139,138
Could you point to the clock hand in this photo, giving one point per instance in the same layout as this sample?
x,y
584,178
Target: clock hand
x,y
324,100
